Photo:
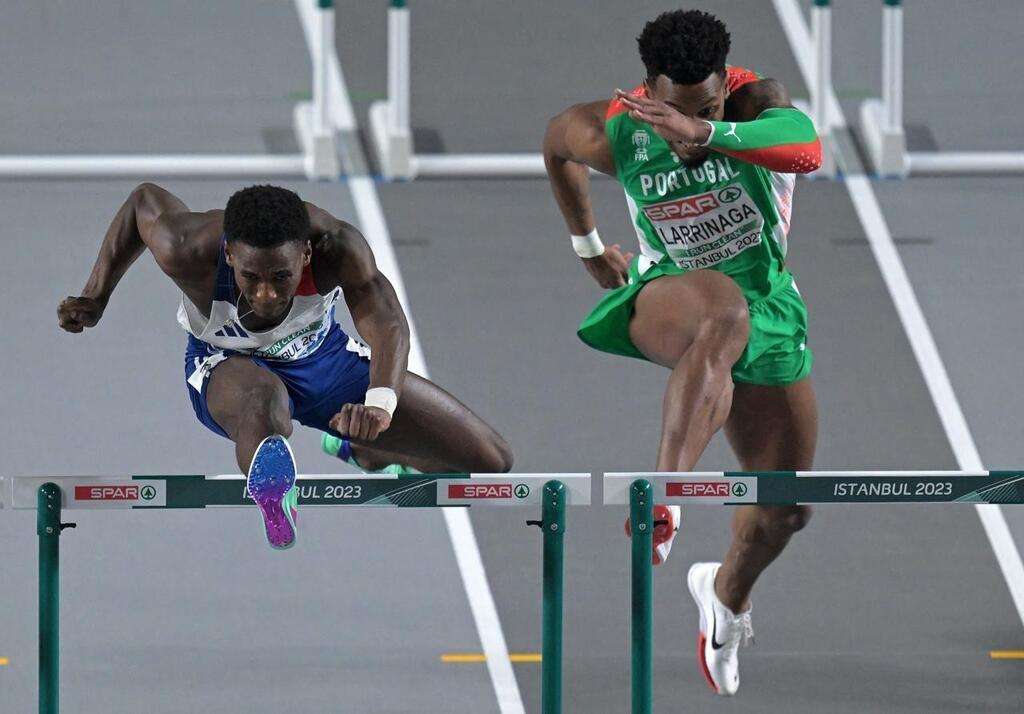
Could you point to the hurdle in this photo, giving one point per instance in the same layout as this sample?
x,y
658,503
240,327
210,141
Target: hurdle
x,y
881,122
52,496
392,136
312,124
641,491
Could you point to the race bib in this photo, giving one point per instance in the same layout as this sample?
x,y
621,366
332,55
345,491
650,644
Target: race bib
x,y
709,228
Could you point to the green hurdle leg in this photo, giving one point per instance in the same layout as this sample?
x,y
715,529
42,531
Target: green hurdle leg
x,y
641,518
48,503
553,523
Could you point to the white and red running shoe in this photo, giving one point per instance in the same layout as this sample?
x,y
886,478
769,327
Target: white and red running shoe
x,y
721,631
664,532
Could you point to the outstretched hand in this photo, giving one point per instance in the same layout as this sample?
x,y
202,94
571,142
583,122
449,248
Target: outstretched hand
x,y
668,123
360,422
76,313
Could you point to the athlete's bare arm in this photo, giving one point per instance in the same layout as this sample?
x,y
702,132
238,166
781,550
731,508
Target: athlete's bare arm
x,y
574,143
179,241
344,259
784,142
747,102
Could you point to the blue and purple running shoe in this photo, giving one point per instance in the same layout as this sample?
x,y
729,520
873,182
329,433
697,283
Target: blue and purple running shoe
x,y
271,484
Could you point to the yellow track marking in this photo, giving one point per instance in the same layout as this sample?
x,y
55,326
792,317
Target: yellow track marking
x,y
477,658
4,661
1007,654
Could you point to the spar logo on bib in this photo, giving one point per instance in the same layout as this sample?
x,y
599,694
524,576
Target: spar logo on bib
x,y
707,229
730,194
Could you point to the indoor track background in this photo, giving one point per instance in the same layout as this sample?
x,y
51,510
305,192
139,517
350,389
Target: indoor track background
x,y
888,609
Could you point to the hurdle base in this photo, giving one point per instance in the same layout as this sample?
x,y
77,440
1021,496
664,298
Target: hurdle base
x,y
886,148
320,150
393,150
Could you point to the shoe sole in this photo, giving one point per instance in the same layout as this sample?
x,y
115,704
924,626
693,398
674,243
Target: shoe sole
x,y
271,477
702,638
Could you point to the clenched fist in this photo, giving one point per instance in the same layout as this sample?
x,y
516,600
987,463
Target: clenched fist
x,y
76,313
360,422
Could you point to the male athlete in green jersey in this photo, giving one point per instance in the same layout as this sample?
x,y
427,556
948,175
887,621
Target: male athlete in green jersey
x,y
706,155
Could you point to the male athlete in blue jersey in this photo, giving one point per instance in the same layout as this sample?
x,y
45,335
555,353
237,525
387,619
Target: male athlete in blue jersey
x,y
260,280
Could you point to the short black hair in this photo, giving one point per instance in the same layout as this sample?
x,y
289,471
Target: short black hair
x,y
265,217
684,45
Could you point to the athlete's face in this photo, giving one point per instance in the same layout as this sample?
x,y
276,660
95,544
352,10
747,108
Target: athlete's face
x,y
705,100
268,277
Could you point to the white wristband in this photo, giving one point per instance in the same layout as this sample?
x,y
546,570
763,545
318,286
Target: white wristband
x,y
382,398
588,246
710,135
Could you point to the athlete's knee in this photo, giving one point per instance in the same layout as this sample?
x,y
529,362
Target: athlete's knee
x,y
265,408
788,519
725,329
495,455
772,523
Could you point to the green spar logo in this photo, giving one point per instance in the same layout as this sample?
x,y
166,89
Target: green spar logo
x,y
739,489
730,194
148,493
522,490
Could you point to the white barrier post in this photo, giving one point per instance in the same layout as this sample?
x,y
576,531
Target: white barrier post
x,y
821,26
882,121
313,124
389,120
321,89
892,67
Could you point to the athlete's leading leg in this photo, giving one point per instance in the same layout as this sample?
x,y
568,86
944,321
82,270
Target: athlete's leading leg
x,y
697,325
251,405
770,429
248,402
434,432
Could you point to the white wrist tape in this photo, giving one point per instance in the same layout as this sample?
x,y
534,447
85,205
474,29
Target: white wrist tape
x,y
588,246
382,398
711,135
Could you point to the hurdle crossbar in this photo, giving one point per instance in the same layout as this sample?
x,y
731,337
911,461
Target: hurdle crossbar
x,y
641,491
51,496
735,488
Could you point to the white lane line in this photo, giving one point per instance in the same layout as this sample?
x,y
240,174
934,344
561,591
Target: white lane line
x,y
923,344
460,528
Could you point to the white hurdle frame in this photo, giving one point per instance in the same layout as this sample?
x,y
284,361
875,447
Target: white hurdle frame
x,y
313,128
882,122
392,136
821,30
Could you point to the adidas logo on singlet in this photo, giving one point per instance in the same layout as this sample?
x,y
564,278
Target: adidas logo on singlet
x,y
232,329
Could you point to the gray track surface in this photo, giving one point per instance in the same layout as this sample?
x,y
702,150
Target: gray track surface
x,y
888,609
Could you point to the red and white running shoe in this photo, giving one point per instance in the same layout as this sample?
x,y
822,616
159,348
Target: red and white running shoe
x,y
664,532
721,631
